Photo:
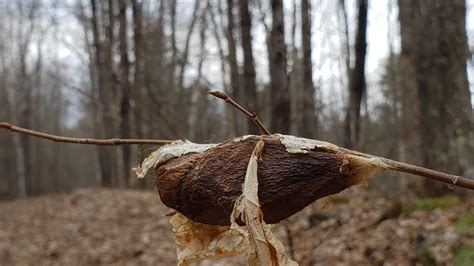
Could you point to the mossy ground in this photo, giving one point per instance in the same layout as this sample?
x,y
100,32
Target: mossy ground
x,y
464,256
429,204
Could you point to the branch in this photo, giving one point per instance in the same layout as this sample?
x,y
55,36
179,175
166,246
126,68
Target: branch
x,y
455,180
88,141
432,174
253,116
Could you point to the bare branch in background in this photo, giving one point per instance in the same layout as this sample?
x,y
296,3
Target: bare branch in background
x,y
89,141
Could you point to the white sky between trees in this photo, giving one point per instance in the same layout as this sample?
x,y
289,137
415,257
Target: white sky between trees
x,y
383,31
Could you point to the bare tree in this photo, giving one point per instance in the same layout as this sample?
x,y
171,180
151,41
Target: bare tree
x,y
105,158
184,58
294,82
197,91
281,110
232,61
139,70
357,78
250,86
308,123
346,47
24,98
174,48
18,184
126,88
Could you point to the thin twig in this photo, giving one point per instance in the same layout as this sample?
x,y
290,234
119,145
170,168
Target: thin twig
x,y
432,174
253,116
88,141
454,180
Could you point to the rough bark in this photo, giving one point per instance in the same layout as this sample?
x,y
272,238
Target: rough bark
x,y
281,110
308,123
213,180
436,45
357,78
250,86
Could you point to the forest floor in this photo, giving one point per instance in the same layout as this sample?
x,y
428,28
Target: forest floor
x,y
125,227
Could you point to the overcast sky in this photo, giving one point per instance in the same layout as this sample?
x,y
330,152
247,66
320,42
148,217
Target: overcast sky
x,y
326,31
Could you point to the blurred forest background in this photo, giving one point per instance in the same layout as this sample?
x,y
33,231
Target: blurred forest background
x,y
389,78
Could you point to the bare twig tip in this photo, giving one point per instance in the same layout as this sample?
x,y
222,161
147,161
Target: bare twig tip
x,y
219,94
222,95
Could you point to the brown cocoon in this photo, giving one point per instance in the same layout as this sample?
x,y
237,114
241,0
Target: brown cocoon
x,y
204,186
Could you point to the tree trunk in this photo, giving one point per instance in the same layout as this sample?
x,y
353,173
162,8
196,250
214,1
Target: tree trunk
x,y
294,82
174,49
250,86
357,79
308,124
25,95
139,70
105,160
346,47
126,90
195,114
436,45
184,58
234,69
280,100
409,140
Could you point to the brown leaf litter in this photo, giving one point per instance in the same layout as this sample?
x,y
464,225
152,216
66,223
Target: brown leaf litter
x,y
123,227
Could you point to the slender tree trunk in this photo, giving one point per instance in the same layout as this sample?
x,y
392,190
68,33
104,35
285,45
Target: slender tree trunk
x,y
294,76
309,120
217,30
138,79
18,149
174,48
126,90
41,181
281,109
105,160
197,91
250,86
184,58
25,93
357,78
409,140
234,69
346,46
218,39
